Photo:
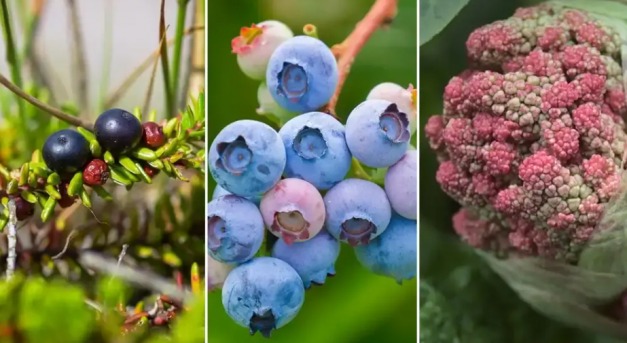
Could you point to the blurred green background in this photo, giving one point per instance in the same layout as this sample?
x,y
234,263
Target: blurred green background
x,y
355,306
461,299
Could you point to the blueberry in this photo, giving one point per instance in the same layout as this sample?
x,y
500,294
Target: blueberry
x,y
66,152
402,97
255,45
263,294
393,253
313,259
293,210
316,149
118,131
235,229
357,211
377,133
247,158
401,184
219,191
302,74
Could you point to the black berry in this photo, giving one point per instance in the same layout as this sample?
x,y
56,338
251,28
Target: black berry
x,y
96,173
153,135
66,152
118,130
23,208
66,200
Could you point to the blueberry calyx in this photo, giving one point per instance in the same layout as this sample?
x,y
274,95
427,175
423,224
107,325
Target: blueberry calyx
x,y
291,225
263,322
357,231
309,143
394,124
235,156
292,81
216,230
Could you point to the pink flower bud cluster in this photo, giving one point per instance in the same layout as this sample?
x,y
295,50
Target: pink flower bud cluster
x,y
531,139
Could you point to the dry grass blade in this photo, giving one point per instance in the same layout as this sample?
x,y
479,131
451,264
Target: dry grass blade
x,y
167,83
195,80
82,85
141,278
145,108
140,69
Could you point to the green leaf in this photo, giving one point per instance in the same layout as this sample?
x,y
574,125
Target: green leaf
x,y
435,15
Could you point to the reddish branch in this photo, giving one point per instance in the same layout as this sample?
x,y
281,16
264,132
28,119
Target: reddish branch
x,y
382,12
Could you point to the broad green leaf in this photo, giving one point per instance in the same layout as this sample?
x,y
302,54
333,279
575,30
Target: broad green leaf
x,y
435,15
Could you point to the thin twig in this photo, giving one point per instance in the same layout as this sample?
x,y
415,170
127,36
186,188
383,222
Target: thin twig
x,y
67,244
141,278
178,47
11,239
152,80
140,69
82,89
382,12
68,118
167,83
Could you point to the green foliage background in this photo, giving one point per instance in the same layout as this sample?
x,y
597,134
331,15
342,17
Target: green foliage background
x,y
462,300
355,306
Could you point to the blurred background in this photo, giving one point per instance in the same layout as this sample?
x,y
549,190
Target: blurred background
x,y
461,299
120,34
355,305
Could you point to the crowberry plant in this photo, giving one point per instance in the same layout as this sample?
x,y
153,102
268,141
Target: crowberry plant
x,y
316,180
93,201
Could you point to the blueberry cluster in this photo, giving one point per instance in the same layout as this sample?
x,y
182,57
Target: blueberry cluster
x,y
120,148
306,184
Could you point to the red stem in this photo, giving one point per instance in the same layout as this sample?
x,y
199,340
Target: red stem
x,y
381,12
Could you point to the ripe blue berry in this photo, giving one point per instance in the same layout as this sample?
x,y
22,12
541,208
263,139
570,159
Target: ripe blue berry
x,y
235,229
219,191
401,184
293,210
402,97
118,131
313,259
302,74
357,211
263,294
247,158
377,133
316,149
66,152
393,253
255,45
